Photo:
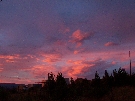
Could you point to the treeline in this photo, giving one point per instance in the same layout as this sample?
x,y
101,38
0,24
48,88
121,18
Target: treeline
x,y
95,88
56,88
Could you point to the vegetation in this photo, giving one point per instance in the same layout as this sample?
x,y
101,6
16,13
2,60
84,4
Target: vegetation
x,y
115,87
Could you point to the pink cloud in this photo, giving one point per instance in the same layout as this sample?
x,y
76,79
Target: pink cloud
x,y
49,58
87,68
16,56
78,37
79,51
113,62
110,44
78,67
76,52
1,69
60,43
10,58
39,69
64,30
72,66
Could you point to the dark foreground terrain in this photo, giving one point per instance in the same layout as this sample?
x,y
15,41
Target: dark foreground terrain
x,y
119,86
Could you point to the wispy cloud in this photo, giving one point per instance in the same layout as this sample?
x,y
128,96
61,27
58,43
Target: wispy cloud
x,y
110,44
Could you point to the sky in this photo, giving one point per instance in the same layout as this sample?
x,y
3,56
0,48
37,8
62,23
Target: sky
x,y
75,37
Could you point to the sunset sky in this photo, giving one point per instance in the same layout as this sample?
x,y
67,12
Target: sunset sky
x,y
75,37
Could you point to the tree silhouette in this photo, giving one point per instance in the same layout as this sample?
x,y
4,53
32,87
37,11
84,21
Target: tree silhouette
x,y
97,76
50,85
107,80
61,87
121,77
96,80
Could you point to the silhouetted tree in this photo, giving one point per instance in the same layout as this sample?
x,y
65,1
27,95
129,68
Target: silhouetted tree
x,y
107,80
71,88
72,81
58,90
121,77
50,86
96,80
97,76
81,86
61,87
106,74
